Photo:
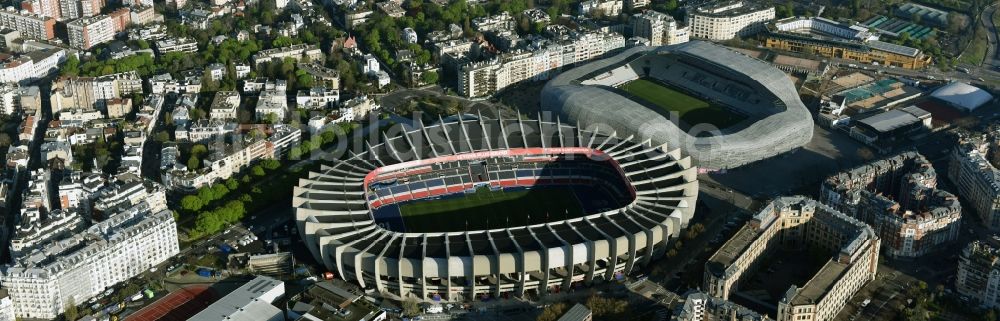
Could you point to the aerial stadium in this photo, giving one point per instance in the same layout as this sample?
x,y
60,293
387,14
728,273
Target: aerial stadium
x,y
722,108
474,209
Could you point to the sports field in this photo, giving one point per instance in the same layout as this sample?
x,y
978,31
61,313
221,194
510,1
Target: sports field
x,y
692,111
491,209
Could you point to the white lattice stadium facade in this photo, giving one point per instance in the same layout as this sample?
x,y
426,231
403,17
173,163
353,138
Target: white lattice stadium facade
x,y
776,120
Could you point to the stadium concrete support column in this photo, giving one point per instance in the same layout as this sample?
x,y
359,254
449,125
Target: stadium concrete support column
x,y
447,269
470,275
423,269
631,244
544,266
567,258
519,266
399,269
609,273
495,265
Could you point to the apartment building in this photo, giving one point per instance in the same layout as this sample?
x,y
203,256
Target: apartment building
x,y
609,8
31,66
636,4
121,18
75,269
978,275
658,28
85,33
14,98
225,160
973,171
316,98
169,45
799,223
729,19
898,197
699,306
92,92
75,9
301,52
485,78
31,26
272,103
224,105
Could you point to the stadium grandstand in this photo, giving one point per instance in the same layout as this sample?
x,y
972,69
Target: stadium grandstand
x,y
494,207
744,110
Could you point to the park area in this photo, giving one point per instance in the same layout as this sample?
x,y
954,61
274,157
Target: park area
x,y
486,209
691,110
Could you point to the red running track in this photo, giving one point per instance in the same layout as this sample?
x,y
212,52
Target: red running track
x,y
178,305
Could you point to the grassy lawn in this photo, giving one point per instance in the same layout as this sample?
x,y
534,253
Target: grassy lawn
x,y
692,111
495,208
976,52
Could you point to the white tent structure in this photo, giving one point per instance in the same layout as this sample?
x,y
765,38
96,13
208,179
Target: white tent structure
x,y
962,96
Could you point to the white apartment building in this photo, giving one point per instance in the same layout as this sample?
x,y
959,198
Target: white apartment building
x,y
297,52
636,4
272,102
169,45
978,275
31,66
973,171
728,20
91,31
216,71
6,306
609,8
658,28
224,105
14,97
77,268
317,98
485,78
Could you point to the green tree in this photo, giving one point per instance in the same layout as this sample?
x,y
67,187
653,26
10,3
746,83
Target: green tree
x,y
232,184
257,171
191,203
220,190
71,67
199,149
430,77
193,163
71,313
270,164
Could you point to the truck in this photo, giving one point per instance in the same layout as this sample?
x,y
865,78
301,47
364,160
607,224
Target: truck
x,y
203,272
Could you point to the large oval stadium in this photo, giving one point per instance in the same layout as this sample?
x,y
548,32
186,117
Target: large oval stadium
x,y
722,108
494,207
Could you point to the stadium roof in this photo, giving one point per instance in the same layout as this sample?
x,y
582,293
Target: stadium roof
x,y
962,95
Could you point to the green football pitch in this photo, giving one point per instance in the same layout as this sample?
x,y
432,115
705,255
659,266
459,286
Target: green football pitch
x,y
487,209
691,110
